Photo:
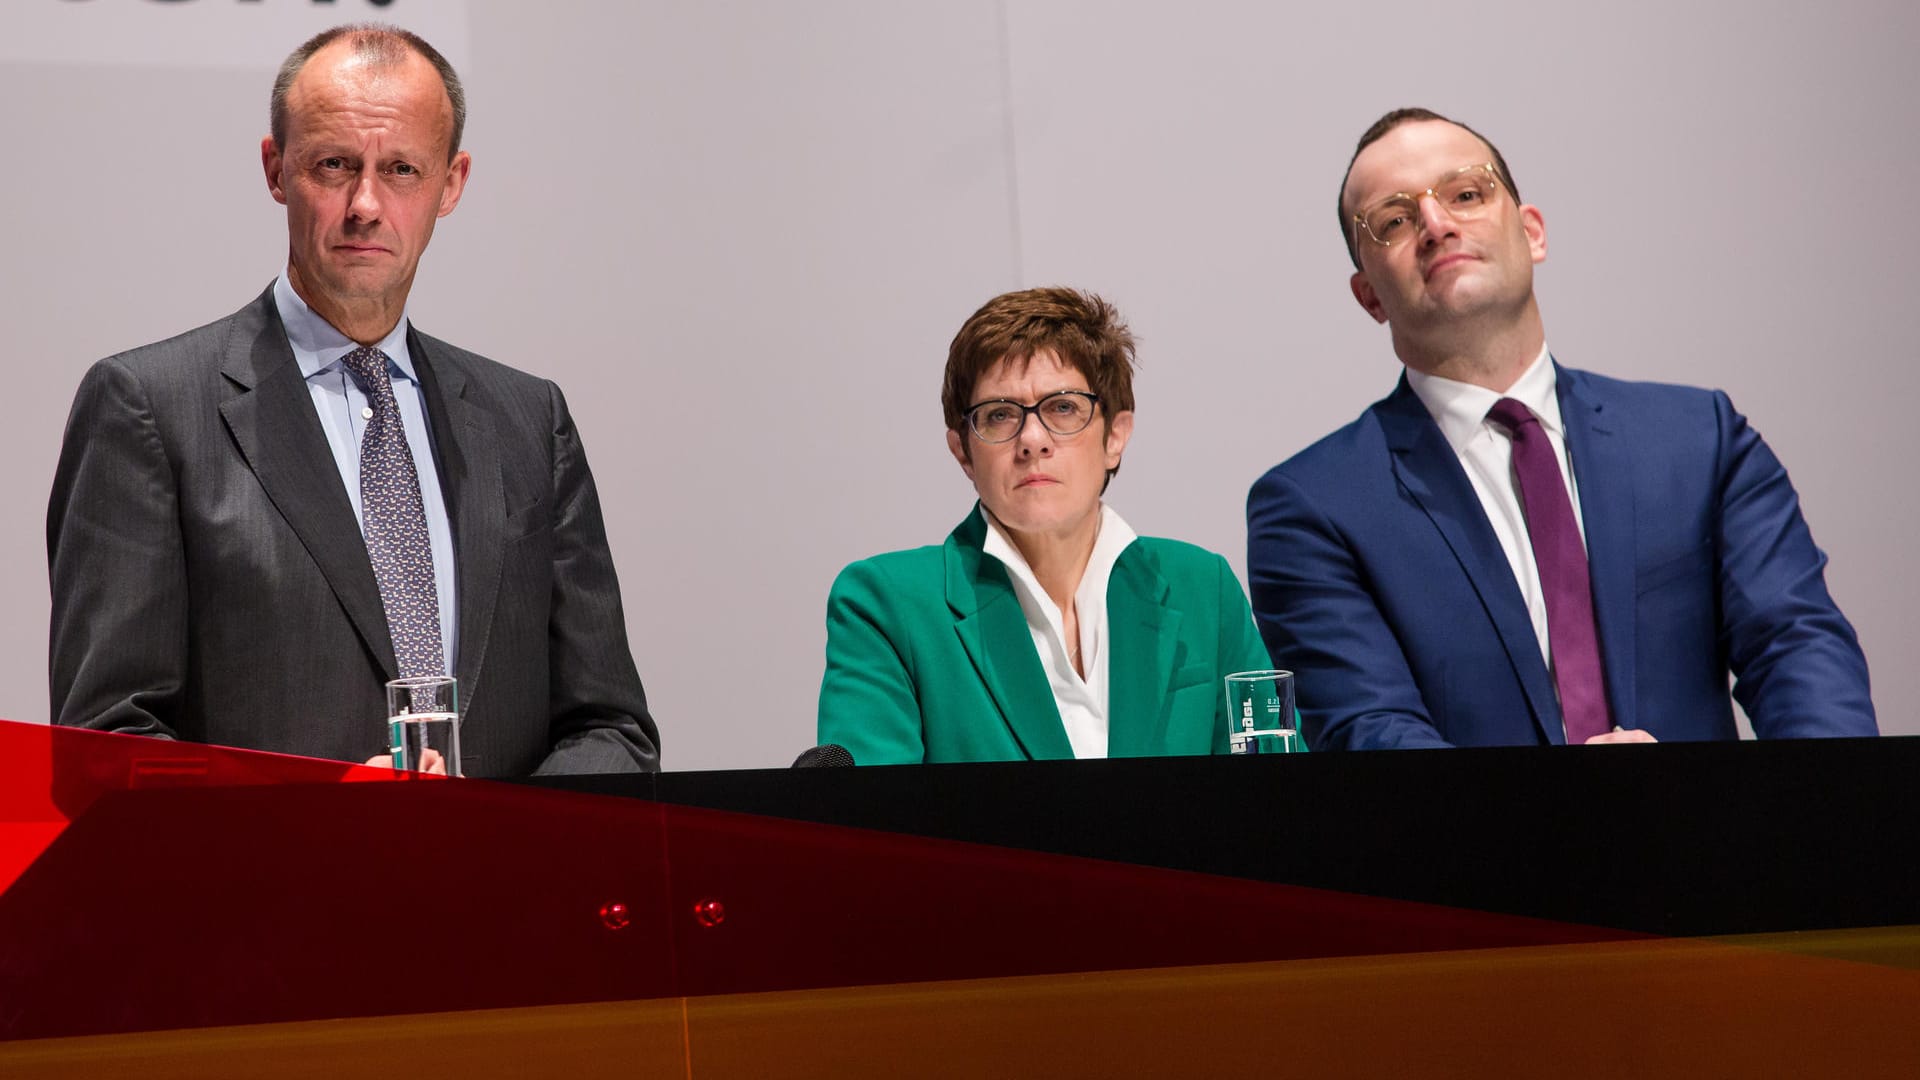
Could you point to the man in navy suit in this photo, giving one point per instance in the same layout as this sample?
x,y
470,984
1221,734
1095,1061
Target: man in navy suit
x,y
1506,551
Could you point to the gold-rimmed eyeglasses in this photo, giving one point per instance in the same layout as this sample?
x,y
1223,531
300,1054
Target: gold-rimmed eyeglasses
x,y
1464,194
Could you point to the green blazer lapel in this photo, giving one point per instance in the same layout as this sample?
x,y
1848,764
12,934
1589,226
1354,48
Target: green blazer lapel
x,y
993,631
1142,637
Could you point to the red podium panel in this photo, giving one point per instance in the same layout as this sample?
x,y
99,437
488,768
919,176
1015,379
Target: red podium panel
x,y
217,887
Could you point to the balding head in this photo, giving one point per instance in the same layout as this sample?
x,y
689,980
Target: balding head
x,y
371,43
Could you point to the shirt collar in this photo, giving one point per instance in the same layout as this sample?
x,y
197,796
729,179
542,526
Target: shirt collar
x,y
1113,539
318,346
1460,409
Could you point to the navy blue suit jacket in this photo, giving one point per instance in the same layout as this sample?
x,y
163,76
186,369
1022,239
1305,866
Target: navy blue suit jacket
x,y
1378,580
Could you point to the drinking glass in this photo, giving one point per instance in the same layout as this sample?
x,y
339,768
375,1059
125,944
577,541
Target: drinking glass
x,y
423,721
1260,715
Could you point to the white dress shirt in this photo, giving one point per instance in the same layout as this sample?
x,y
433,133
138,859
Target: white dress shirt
x,y
1486,452
1082,701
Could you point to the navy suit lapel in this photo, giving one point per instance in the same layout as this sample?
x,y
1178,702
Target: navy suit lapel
x,y
1143,634
467,455
1603,470
274,424
993,631
1430,472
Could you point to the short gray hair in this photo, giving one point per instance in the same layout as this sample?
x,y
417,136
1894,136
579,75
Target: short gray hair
x,y
379,43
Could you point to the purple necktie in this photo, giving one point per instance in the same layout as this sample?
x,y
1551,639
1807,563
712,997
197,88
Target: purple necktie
x,y
1562,559
395,522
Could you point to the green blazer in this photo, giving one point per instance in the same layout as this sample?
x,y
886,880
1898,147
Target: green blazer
x,y
929,657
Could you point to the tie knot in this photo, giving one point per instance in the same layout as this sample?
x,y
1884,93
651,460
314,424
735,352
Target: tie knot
x,y
368,366
1511,415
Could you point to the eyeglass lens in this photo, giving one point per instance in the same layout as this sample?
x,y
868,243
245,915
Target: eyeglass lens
x,y
1063,414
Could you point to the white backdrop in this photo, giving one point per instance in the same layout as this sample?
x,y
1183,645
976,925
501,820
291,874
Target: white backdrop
x,y
740,235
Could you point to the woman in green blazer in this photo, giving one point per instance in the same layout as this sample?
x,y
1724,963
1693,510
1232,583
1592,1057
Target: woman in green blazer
x,y
1043,627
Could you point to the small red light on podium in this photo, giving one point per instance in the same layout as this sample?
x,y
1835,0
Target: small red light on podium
x,y
710,912
615,916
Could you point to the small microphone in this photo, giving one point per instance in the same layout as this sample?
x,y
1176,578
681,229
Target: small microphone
x,y
832,755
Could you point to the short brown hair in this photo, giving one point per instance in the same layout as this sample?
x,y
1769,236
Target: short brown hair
x,y
1378,131
1083,330
374,41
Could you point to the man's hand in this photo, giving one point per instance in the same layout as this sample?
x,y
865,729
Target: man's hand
x,y
432,763
1617,735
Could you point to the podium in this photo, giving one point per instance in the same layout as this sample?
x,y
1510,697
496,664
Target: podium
x,y
184,910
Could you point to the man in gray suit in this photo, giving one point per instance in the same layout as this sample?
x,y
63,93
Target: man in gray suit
x,y
257,524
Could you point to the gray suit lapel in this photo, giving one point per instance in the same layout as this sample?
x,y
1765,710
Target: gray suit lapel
x,y
1603,467
467,454
1430,472
273,422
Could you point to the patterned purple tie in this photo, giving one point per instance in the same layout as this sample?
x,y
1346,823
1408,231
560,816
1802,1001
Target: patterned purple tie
x,y
1562,558
395,522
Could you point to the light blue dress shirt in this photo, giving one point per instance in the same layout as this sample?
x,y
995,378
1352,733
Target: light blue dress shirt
x,y
344,411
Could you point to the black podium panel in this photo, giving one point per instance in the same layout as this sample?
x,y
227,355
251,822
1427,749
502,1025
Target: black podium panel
x,y
1682,839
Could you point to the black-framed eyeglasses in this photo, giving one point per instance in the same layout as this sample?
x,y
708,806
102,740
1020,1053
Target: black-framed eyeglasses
x,y
1065,412
1463,194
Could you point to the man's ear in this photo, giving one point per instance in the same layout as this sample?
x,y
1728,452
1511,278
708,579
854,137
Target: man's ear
x,y
1363,292
1534,224
271,162
456,183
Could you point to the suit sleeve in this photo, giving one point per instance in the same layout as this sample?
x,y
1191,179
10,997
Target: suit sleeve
x,y
868,701
117,566
1797,665
1321,621
597,718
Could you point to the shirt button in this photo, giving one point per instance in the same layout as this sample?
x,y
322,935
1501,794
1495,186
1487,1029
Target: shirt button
x,y
366,414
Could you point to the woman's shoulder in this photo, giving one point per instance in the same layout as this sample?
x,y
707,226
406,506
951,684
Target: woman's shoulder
x,y
1197,580
921,568
1178,556
895,570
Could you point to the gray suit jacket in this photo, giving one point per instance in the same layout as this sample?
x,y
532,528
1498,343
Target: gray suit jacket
x,y
210,582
